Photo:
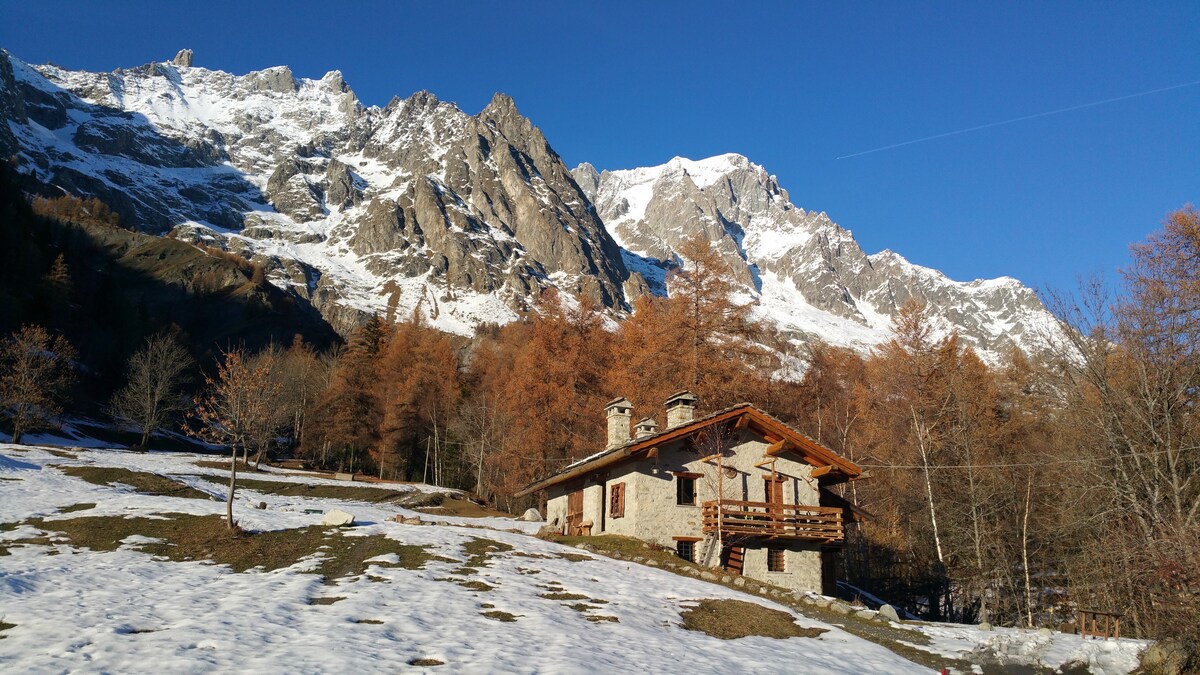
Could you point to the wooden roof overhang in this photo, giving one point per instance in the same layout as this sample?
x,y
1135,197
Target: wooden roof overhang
x,y
830,467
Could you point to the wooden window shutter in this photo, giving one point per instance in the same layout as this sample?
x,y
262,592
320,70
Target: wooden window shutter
x,y
616,497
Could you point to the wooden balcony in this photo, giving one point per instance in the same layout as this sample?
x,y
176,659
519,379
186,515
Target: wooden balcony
x,y
773,521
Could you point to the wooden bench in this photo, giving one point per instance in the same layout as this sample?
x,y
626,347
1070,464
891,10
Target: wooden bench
x,y
1099,624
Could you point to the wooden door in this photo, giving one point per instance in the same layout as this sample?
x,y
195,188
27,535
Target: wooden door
x,y
575,513
773,489
732,558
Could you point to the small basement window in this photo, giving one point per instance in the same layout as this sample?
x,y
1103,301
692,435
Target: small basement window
x,y
686,550
775,560
685,490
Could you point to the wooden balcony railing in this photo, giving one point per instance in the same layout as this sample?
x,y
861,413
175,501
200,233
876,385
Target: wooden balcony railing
x,y
773,521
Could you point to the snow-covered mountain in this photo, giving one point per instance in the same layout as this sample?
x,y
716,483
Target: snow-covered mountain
x,y
358,209
418,205
806,273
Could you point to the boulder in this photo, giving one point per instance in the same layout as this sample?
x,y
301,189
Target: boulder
x,y
866,614
337,518
708,576
1045,632
739,581
531,516
418,499
1169,656
888,612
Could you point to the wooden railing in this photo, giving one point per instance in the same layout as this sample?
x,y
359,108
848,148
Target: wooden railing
x,y
770,520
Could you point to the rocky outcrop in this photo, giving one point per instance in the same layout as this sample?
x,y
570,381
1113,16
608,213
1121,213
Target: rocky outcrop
x,y
794,261
410,204
465,218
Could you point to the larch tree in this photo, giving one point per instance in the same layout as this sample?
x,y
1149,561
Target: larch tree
x,y
36,370
156,375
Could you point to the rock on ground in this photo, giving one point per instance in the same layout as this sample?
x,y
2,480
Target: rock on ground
x,y
337,518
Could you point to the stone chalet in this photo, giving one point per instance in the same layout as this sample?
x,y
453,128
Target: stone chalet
x,y
736,489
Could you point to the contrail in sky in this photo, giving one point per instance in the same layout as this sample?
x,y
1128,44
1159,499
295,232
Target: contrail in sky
x,y
1021,119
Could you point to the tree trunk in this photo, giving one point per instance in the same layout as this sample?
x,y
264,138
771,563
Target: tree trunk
x,y
232,482
145,444
1025,553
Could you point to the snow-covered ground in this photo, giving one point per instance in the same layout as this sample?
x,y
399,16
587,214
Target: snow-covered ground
x,y
126,611
1029,647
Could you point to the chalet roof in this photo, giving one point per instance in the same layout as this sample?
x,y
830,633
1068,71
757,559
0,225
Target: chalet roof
x,y
836,469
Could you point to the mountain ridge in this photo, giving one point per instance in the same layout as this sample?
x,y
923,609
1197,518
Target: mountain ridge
x,y
466,218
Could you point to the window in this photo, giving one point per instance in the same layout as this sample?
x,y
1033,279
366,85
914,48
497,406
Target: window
x,y
685,490
686,550
775,560
616,500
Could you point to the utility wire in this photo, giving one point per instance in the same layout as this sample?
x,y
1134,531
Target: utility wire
x,y
1021,119
1013,465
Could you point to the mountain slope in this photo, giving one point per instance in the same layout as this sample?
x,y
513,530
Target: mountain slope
x,y
358,209
805,273
418,206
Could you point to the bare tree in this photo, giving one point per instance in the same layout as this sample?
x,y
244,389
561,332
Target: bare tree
x,y
153,393
232,406
35,372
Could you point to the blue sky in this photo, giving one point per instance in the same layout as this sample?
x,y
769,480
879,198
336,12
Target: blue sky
x,y
791,85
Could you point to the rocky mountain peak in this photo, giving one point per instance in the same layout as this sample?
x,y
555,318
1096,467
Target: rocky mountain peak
x,y
463,218
796,264
183,58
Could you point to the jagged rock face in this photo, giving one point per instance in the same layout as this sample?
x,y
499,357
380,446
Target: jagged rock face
x,y
418,205
359,209
797,265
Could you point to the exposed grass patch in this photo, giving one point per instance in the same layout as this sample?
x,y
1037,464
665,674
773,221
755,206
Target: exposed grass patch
x,y
295,489
425,662
373,622
347,556
732,619
146,483
542,556
582,607
478,551
5,626
77,507
62,453
476,586
624,547
597,618
500,616
598,601
224,464
186,537
326,600
454,505
563,596
15,480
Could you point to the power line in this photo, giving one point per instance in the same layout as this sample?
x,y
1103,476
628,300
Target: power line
x,y
1021,119
1016,464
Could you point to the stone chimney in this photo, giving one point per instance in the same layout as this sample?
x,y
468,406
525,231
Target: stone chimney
x,y
619,411
681,408
647,427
